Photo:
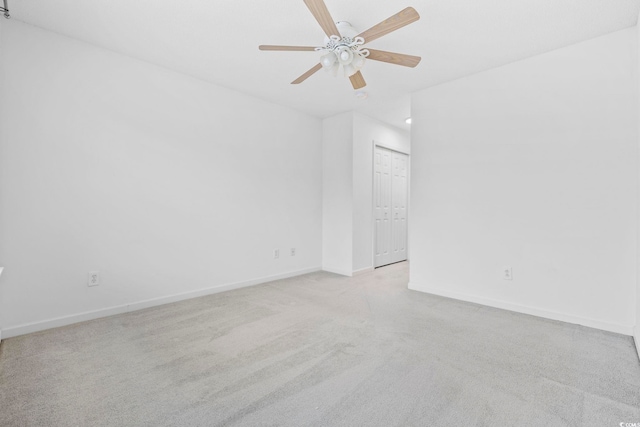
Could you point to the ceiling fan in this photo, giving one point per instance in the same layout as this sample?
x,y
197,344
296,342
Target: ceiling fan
x,y
344,46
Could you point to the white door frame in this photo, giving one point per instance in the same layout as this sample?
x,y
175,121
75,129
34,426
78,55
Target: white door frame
x,y
373,200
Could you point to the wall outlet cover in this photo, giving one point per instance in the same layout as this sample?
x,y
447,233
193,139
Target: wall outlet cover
x,y
507,272
94,278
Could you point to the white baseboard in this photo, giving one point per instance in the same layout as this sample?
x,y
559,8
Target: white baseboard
x,y
636,338
592,323
338,271
96,314
362,271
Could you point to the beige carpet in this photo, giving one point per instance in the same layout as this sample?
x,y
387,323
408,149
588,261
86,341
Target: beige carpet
x,y
320,350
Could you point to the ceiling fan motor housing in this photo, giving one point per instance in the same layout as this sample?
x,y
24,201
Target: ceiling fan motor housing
x,y
346,30
343,45
343,50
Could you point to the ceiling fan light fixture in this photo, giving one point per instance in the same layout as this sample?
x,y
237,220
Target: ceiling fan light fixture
x,y
358,60
334,69
349,70
345,55
346,44
328,60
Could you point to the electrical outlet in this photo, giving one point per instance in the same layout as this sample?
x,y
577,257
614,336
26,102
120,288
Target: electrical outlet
x,y
293,251
276,253
94,278
507,273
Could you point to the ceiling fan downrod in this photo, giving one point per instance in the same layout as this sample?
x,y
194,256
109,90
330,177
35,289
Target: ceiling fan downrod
x,y
5,9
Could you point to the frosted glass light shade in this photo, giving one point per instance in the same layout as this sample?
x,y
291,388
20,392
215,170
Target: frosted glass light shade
x,y
349,70
328,60
345,55
334,69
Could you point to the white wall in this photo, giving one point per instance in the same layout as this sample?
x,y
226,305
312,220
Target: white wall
x,y
532,165
165,184
348,188
337,194
637,326
365,131
2,114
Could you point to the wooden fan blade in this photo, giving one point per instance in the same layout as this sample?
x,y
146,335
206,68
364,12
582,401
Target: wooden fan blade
x,y
321,13
397,21
294,48
394,58
306,75
357,81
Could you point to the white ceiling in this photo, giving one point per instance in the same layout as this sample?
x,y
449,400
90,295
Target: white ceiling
x,y
217,41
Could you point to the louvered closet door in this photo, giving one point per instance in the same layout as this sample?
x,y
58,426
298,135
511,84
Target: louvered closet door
x,y
390,206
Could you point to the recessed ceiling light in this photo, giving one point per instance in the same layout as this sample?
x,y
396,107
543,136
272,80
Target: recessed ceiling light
x,y
408,121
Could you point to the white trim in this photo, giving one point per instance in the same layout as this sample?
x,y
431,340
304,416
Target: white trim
x,y
592,323
362,271
390,147
636,339
96,314
373,204
373,197
338,271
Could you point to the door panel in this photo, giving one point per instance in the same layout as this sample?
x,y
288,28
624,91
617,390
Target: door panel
x,y
399,202
382,203
390,206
